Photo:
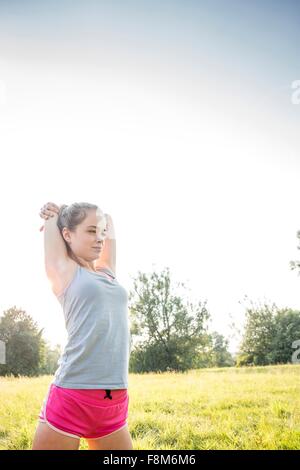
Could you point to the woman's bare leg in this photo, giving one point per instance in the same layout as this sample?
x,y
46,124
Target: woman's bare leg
x,y
118,440
47,439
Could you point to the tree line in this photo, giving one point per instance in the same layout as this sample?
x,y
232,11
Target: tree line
x,y
168,332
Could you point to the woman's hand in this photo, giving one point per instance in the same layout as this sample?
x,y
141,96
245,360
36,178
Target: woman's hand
x,y
48,210
110,229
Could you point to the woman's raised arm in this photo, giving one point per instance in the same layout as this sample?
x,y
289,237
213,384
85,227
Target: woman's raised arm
x,y
55,251
107,255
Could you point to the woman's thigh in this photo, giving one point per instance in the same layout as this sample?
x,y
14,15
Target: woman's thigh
x,y
118,440
46,438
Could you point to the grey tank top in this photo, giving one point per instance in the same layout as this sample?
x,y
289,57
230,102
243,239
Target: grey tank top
x,y
98,347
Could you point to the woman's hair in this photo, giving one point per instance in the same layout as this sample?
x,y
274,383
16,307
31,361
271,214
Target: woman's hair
x,y
70,217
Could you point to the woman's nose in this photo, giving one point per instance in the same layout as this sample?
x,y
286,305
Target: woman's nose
x,y
100,237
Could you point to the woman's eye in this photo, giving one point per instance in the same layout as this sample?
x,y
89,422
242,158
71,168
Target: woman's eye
x,y
92,231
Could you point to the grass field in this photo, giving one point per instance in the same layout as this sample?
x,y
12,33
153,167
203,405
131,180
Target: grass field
x,y
243,408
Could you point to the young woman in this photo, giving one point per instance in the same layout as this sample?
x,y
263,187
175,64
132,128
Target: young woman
x,y
88,397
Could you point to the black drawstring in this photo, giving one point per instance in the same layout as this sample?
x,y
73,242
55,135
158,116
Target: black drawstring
x,y
108,395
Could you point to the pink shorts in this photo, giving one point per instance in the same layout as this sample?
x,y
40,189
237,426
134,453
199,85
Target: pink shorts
x,y
88,413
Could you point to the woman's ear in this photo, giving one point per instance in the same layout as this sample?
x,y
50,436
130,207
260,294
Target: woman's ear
x,y
66,235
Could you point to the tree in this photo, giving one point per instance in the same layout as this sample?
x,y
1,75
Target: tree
x,y
258,338
51,357
287,323
268,335
219,354
171,333
23,343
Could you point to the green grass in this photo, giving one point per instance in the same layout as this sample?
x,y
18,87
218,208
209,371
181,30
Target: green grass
x,y
243,408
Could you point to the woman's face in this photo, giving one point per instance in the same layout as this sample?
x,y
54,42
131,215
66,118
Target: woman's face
x,y
88,239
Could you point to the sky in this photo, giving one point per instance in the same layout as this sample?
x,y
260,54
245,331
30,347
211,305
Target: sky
x,y
178,118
